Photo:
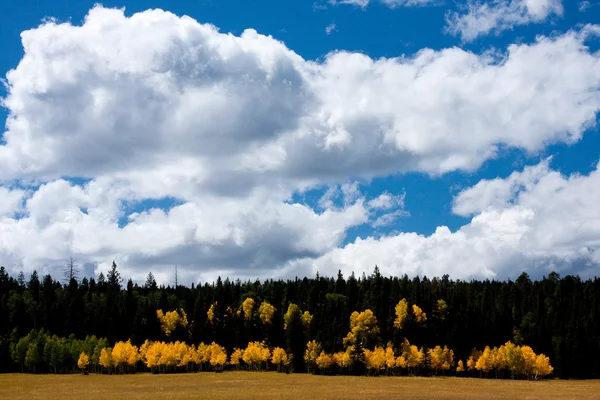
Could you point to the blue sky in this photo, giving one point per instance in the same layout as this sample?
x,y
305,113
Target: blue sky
x,y
425,198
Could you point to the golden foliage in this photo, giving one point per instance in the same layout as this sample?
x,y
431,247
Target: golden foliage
x,y
401,313
486,361
105,358
306,318
324,361
419,314
401,362
363,326
293,310
441,309
413,356
266,312
218,356
440,358
390,357
542,366
460,367
124,354
312,352
211,313
343,359
255,354
376,359
280,358
518,360
83,361
236,357
247,308
171,319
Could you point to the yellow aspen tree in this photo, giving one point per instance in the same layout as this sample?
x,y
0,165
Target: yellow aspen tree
x,y
448,358
236,357
188,358
501,362
265,355
441,309
413,355
485,361
516,361
266,312
390,357
529,358
375,360
324,361
460,367
542,366
306,319
195,356
313,350
435,358
401,313
105,358
419,314
247,308
343,359
472,360
218,357
144,349
183,358
170,320
288,316
211,313
83,362
201,357
363,326
400,362
280,358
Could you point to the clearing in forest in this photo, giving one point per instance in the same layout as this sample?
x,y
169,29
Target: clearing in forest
x,y
271,385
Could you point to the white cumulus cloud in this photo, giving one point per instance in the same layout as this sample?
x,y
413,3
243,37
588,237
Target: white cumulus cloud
x,y
497,16
536,220
156,106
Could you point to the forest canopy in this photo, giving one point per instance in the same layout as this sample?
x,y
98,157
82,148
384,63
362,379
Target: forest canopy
x,y
308,323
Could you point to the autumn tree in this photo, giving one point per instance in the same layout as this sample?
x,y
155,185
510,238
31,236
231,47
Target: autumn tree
x,y
236,358
266,312
401,313
313,351
248,308
83,362
324,362
280,359
170,320
419,314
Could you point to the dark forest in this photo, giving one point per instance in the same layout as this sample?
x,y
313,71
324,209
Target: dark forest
x,y
559,317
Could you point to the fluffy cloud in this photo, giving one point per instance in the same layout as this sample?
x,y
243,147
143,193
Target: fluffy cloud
x,y
535,220
358,3
390,3
408,3
156,106
482,18
10,201
222,234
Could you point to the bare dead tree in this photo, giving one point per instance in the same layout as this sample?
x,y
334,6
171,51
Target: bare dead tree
x,y
71,270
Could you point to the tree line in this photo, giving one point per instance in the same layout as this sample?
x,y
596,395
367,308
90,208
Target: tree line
x,y
555,317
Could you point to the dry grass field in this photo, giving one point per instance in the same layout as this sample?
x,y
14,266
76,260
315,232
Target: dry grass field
x,y
270,385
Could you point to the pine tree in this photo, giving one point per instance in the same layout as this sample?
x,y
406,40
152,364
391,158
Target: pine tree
x,y
114,277
150,282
